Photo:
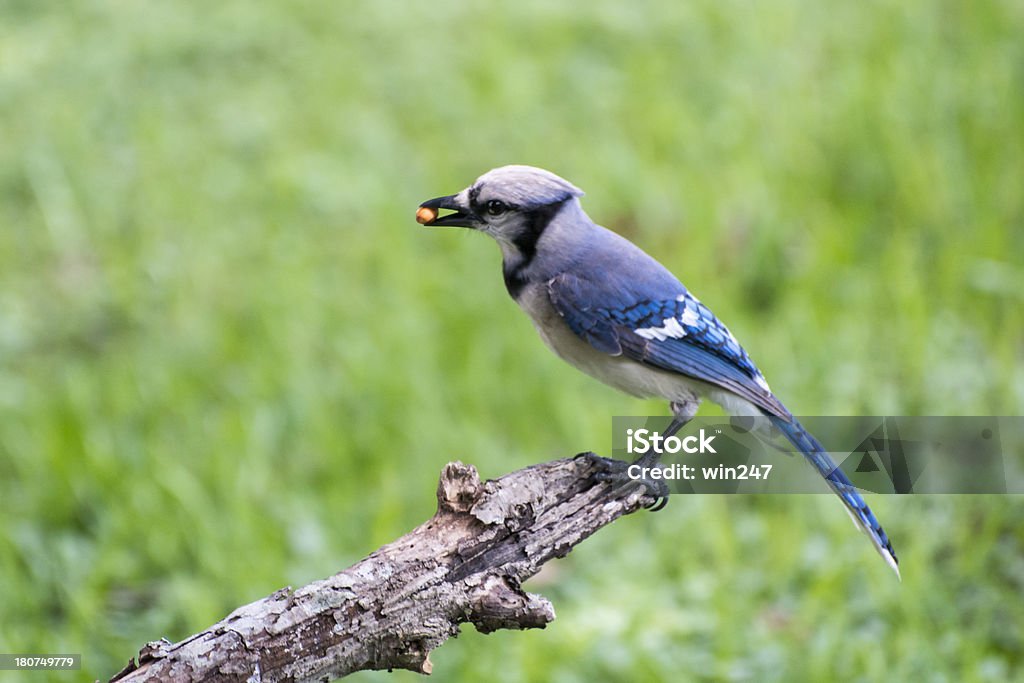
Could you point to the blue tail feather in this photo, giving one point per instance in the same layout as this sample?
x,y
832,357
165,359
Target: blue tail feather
x,y
840,484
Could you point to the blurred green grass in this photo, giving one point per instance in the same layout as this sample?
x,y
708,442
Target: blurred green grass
x,y
230,360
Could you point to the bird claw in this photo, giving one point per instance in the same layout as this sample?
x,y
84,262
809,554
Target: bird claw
x,y
616,473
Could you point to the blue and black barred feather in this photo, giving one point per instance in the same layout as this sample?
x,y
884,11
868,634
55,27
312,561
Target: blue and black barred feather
x,y
840,484
702,328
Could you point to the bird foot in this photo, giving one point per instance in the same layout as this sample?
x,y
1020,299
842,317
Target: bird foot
x,y
620,475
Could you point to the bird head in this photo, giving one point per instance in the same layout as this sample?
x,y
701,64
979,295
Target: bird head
x,y
512,204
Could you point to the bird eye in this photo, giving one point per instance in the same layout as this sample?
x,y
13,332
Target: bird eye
x,y
496,207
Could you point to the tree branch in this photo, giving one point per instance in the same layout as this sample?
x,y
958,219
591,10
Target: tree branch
x,y
389,610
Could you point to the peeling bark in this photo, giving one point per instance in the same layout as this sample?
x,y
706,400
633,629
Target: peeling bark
x,y
391,609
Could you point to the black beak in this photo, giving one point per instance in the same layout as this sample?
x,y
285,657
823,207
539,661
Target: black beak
x,y
462,218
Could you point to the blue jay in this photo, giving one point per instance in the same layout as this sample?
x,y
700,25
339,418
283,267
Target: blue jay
x,y
608,308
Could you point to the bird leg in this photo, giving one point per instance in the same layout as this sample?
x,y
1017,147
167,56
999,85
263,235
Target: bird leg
x,y
617,471
682,413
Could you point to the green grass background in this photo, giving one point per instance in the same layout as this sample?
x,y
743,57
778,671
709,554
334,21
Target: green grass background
x,y
231,361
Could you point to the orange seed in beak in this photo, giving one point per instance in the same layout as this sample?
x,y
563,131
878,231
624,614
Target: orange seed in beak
x,y
425,216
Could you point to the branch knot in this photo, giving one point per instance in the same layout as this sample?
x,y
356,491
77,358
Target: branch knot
x,y
458,489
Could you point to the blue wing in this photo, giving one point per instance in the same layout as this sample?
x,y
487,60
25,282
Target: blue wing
x,y
677,334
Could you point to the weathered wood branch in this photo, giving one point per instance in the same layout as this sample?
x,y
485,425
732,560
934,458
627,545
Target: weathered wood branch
x,y
389,610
